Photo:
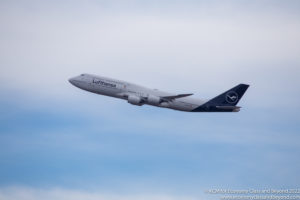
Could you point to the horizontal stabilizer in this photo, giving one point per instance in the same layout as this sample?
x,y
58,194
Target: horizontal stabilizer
x,y
228,107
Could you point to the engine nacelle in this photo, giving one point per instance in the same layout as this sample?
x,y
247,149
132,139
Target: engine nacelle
x,y
135,100
153,100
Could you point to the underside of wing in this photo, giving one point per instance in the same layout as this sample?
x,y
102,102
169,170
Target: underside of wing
x,y
171,98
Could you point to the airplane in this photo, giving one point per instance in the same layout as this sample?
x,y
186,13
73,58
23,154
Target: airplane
x,y
139,95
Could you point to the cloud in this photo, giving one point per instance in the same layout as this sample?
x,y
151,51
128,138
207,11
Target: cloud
x,y
204,48
26,193
190,50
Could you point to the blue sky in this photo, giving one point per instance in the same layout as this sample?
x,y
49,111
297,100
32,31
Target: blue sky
x,y
58,142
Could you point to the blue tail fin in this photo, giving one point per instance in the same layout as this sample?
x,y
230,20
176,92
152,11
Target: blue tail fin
x,y
230,97
225,102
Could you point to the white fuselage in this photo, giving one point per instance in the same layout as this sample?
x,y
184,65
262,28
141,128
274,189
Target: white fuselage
x,y
133,93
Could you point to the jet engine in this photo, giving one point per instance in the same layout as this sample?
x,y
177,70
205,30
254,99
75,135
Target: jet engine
x,y
134,100
153,100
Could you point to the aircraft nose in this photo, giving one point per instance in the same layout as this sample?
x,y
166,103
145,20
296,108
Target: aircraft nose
x,y
72,80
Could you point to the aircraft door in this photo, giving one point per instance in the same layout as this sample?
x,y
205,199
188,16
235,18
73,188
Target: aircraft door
x,y
121,87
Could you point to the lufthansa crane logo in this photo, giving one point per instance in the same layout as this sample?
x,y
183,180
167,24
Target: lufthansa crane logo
x,y
232,97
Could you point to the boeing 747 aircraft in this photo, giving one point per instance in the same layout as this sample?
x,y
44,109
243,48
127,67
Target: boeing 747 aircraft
x,y
139,95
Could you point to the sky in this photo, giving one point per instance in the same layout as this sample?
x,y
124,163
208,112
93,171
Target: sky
x,y
59,142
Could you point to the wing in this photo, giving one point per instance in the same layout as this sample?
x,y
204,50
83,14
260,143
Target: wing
x,y
171,98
